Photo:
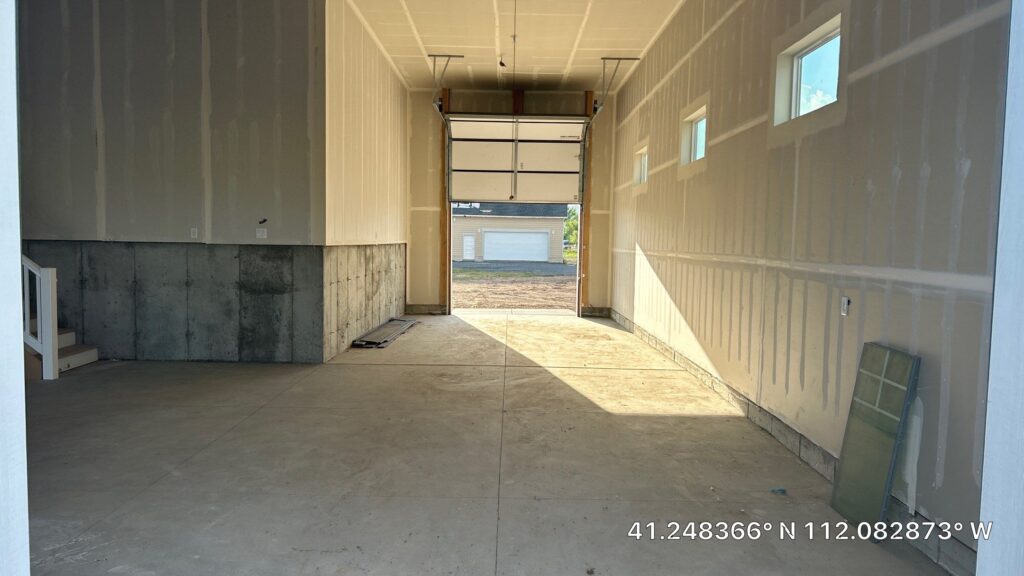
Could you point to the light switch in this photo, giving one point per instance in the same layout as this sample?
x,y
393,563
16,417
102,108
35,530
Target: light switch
x,y
844,306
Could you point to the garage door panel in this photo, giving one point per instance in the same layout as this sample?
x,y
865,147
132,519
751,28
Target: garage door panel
x,y
482,155
550,131
547,156
484,130
481,186
524,246
552,188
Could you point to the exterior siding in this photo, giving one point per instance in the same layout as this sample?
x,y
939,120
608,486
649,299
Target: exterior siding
x,y
476,225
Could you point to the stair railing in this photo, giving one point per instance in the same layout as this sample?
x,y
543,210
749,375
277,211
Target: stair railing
x,y
39,289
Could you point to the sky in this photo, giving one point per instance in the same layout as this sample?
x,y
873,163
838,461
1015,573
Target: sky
x,y
819,76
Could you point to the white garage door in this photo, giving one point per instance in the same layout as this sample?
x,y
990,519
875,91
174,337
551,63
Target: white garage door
x,y
521,246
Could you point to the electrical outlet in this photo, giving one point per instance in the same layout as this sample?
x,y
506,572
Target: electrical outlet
x,y
261,233
193,233
844,306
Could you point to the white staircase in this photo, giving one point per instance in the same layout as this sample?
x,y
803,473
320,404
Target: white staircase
x,y
70,355
48,350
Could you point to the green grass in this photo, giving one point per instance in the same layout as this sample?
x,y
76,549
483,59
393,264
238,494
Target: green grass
x,y
571,255
470,274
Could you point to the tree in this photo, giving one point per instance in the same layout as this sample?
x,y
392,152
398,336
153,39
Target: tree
x,y
572,226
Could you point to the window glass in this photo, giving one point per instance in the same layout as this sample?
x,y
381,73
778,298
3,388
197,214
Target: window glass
x,y
700,137
640,167
818,76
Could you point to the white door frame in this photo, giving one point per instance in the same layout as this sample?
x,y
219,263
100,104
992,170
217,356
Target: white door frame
x,y
14,550
1002,501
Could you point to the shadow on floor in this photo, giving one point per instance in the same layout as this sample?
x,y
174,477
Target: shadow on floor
x,y
486,443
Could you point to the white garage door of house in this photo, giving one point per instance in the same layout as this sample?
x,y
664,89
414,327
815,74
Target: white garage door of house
x,y
516,246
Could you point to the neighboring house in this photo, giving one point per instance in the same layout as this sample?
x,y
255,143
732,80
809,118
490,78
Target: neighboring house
x,y
483,231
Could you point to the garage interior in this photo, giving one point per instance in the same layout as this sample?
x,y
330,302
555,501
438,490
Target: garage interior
x,y
207,201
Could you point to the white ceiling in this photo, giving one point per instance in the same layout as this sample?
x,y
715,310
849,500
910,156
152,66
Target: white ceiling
x,y
560,42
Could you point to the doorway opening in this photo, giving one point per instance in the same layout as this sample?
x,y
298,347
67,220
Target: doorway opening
x,y
508,255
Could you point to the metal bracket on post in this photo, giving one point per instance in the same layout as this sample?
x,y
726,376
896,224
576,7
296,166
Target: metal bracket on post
x,y
606,82
439,79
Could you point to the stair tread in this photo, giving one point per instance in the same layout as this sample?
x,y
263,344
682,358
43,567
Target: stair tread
x,y
75,349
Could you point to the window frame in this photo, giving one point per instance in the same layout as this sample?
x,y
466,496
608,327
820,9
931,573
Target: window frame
x,y
798,62
785,124
689,116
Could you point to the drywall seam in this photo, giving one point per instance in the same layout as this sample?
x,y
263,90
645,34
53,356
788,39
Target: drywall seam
x,y
738,130
167,144
205,109
930,278
276,127
643,53
311,69
689,53
128,108
932,39
662,166
100,126
380,46
65,132
610,272
579,38
497,43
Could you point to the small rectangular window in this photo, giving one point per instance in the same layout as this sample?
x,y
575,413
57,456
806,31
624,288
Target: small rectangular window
x,y
816,74
640,166
807,67
694,137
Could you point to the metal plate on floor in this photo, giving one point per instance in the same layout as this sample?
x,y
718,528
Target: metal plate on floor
x,y
882,394
384,335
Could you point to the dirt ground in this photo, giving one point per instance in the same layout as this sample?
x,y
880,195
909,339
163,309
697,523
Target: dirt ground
x,y
529,292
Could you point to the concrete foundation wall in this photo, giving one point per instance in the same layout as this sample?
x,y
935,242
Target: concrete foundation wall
x,y
149,301
177,121
364,287
163,301
893,204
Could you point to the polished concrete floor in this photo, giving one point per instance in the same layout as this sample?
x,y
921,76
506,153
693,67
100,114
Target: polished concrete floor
x,y
485,443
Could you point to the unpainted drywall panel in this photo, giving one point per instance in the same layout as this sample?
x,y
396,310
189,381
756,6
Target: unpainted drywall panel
x,y
177,121
742,265
260,85
367,151
59,198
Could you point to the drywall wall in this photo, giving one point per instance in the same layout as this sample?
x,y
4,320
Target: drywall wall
x,y
741,267
426,176
184,120
367,149
1002,501
14,544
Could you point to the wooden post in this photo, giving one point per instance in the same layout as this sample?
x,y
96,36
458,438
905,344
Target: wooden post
x,y
444,288
583,256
